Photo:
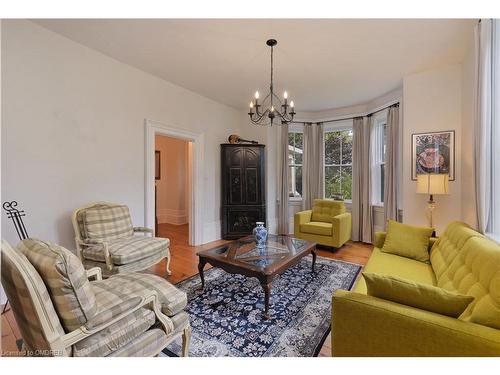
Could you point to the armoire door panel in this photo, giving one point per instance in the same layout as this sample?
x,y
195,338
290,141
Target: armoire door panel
x,y
243,189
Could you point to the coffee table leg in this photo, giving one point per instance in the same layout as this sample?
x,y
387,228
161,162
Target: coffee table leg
x,y
267,292
201,264
313,252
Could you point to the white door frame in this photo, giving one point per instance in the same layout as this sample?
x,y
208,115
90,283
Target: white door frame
x,y
153,128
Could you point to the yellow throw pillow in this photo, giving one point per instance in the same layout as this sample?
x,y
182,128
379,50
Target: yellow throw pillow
x,y
408,241
420,296
486,313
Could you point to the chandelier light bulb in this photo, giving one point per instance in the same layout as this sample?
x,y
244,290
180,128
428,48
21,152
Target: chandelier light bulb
x,y
251,104
256,95
272,108
285,95
291,104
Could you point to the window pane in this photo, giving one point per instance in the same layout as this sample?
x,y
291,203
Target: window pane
x,y
298,181
332,181
384,143
299,140
332,147
347,147
299,147
291,144
291,180
382,185
346,175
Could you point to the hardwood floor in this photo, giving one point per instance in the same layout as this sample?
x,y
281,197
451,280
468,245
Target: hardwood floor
x,y
184,263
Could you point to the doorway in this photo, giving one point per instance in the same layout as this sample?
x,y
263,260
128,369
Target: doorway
x,y
171,187
171,205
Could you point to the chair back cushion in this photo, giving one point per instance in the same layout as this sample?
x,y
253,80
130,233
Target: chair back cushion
x,y
466,262
325,209
33,310
107,222
66,281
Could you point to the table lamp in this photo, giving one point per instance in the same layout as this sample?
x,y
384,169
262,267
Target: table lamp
x,y
432,184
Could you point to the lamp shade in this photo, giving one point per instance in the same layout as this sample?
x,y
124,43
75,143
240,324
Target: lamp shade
x,y
432,183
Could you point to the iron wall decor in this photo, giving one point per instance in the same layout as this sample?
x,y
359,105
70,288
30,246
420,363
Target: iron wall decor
x,y
433,152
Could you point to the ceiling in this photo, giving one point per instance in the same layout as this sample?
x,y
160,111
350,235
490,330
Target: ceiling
x,y
323,64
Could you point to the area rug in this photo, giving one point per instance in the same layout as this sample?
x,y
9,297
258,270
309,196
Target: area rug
x,y
226,317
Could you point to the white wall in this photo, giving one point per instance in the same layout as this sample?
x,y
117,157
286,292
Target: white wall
x,y
73,131
172,188
432,101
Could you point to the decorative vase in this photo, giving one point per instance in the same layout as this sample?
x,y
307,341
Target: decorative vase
x,y
260,234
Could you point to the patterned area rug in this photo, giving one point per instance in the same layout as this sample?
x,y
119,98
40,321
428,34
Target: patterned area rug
x,y
226,318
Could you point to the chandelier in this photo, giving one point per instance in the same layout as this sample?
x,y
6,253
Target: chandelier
x,y
271,107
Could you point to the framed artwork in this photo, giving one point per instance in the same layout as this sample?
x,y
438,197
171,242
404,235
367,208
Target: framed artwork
x,y
157,165
433,153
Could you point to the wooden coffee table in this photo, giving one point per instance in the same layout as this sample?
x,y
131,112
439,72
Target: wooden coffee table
x,y
245,258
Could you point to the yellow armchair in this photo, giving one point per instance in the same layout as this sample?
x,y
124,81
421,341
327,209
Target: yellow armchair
x,y
327,223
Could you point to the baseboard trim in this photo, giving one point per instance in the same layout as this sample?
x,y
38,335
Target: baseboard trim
x,y
170,216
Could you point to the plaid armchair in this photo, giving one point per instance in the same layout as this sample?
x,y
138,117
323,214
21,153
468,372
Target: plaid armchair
x,y
105,238
61,313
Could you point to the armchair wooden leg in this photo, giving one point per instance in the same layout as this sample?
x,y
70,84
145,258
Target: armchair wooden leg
x,y
186,338
168,264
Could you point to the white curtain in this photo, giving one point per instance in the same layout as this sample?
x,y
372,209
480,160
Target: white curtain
x,y
361,180
391,165
483,98
313,171
283,181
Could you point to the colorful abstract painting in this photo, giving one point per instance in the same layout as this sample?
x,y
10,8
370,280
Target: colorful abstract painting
x,y
433,153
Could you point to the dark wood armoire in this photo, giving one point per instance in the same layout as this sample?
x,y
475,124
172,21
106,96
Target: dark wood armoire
x,y
243,179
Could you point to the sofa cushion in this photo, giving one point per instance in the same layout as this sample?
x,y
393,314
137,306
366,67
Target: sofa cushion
x,y
146,345
128,250
469,263
114,290
66,281
396,265
105,222
420,296
116,336
140,265
324,209
408,241
317,227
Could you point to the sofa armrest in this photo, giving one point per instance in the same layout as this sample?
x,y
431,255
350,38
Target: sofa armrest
x,y
342,227
379,239
299,218
104,245
367,326
303,217
149,301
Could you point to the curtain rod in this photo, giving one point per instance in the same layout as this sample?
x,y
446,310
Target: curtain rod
x,y
347,118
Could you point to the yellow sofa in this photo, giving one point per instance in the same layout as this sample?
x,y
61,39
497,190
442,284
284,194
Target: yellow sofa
x,y
461,260
327,223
